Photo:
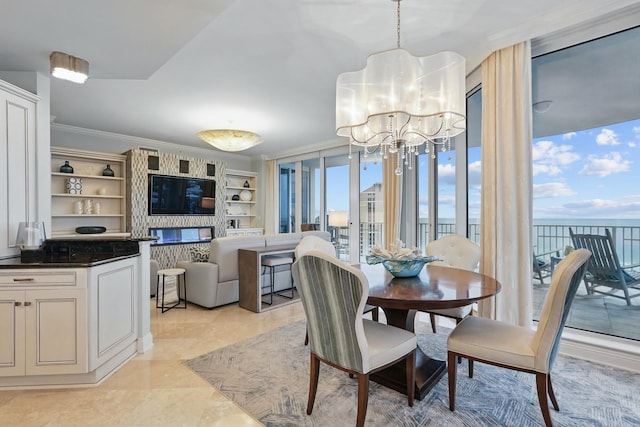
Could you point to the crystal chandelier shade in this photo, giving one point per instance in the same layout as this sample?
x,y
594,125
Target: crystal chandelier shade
x,y
399,102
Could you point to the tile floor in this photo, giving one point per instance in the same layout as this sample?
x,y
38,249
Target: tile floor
x,y
155,388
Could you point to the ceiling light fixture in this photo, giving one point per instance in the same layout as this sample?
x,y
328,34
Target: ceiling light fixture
x,y
399,102
230,139
67,67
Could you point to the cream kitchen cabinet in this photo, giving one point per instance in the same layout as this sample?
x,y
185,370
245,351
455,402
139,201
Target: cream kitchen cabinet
x,y
43,323
17,163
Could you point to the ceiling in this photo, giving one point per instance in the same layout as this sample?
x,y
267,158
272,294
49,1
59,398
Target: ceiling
x,y
164,70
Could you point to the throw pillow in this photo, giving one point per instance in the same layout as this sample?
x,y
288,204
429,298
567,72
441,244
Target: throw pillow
x,y
200,254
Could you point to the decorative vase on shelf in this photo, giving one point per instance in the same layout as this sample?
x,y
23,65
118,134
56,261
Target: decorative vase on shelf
x,y
246,184
108,171
66,168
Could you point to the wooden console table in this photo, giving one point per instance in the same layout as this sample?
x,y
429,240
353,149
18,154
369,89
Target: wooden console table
x,y
250,277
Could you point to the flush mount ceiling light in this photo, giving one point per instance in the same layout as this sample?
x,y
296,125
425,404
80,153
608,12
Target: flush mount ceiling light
x,y
399,102
67,67
230,139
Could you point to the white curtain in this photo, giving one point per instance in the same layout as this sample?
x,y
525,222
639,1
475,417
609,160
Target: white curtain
x,y
270,202
506,203
392,189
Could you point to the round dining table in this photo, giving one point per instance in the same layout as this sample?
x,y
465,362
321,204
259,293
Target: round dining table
x,y
435,287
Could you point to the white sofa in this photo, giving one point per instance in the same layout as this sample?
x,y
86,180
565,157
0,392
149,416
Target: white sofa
x,y
215,283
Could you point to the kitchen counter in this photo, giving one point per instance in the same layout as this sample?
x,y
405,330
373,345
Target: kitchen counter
x,y
71,253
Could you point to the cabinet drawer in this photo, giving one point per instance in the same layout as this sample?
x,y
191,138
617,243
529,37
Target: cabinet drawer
x,y
43,278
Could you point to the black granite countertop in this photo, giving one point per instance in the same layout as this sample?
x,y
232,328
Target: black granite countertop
x,y
78,262
70,253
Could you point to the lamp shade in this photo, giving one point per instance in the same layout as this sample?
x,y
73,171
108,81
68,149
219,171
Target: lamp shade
x,y
31,235
230,139
416,96
338,218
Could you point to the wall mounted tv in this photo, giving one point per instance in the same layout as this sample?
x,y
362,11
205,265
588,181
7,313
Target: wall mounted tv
x,y
177,195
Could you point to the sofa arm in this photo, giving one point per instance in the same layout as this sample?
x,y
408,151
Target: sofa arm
x,y
202,282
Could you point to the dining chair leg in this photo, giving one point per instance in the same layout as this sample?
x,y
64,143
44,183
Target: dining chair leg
x,y
314,372
453,367
541,384
432,317
363,398
552,395
470,368
375,314
410,369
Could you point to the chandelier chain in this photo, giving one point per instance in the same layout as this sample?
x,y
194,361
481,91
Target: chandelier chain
x,y
398,25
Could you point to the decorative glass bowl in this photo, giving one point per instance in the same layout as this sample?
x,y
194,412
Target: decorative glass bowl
x,y
402,267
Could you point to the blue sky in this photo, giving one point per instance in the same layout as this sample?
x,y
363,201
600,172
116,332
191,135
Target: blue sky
x,y
593,173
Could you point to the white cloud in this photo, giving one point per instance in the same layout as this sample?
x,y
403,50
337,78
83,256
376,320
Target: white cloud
x,y
610,164
548,157
602,208
636,130
632,144
552,189
446,174
569,135
474,175
607,137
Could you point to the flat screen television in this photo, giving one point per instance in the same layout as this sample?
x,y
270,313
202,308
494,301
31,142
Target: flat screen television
x,y
177,195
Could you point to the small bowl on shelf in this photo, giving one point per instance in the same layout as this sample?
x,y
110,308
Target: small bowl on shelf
x,y
402,267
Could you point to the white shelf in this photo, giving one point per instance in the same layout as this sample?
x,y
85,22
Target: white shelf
x,y
76,175
241,213
109,191
87,196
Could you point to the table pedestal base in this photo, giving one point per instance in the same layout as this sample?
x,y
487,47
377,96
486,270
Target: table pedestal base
x,y
428,370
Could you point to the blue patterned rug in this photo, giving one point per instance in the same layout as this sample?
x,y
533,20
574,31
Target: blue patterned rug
x,y
268,376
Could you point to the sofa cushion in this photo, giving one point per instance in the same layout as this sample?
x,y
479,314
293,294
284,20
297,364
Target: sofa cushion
x,y
224,252
291,239
200,254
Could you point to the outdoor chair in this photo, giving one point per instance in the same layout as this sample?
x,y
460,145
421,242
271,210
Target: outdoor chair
x,y
521,348
333,296
543,264
604,269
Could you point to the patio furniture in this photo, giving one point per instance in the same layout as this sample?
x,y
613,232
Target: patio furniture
x,y
458,252
604,269
544,263
333,295
520,348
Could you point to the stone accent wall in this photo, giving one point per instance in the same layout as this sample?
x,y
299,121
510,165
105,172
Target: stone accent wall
x,y
137,205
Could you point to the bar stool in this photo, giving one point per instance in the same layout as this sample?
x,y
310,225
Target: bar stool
x,y
271,262
174,274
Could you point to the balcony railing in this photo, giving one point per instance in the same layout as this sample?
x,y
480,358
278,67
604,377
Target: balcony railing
x,y
547,237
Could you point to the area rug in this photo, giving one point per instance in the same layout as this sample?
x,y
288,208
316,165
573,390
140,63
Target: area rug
x,y
268,376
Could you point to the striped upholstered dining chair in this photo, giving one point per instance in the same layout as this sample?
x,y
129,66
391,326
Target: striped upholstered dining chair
x,y
515,347
333,296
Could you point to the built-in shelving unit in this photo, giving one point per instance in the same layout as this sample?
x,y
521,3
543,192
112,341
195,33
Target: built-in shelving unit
x,y
105,194
241,213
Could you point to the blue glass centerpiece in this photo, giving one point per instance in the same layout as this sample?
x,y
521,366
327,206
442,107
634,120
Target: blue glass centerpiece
x,y
410,267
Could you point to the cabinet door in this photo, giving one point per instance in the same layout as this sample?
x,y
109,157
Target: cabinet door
x,y
56,331
12,333
17,166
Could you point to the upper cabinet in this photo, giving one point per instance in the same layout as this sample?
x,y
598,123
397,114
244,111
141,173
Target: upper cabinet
x,y
241,200
17,163
87,189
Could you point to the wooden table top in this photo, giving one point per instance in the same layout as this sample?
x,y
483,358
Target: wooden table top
x,y
436,287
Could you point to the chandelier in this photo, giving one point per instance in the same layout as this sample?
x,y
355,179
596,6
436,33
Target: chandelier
x,y
230,139
399,102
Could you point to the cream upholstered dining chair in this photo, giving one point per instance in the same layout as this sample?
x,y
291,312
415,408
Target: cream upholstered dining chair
x,y
516,347
308,243
333,296
454,251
